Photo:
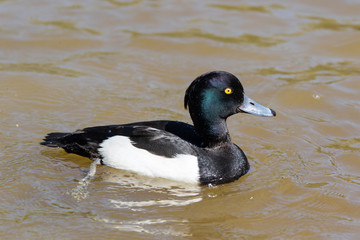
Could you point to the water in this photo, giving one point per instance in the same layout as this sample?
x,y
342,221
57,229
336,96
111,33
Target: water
x,y
72,64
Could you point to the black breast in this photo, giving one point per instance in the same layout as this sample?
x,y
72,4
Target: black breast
x,y
222,164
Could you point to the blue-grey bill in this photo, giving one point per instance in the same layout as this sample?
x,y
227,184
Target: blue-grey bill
x,y
252,107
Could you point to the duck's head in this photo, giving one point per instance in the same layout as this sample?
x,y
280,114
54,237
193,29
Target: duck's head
x,y
213,97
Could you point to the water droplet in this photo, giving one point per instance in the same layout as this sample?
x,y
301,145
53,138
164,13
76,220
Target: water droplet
x,y
316,96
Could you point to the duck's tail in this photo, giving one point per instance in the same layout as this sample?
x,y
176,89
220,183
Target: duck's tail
x,y
72,142
55,139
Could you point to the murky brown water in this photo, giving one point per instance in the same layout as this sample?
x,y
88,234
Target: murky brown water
x,y
70,64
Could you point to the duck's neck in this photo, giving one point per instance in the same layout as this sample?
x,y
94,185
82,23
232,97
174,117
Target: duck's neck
x,y
213,133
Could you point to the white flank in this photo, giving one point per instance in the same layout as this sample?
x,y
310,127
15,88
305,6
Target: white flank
x,y
118,152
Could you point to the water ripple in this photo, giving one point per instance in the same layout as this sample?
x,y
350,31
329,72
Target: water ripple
x,y
123,3
247,8
39,68
330,24
67,25
330,69
197,33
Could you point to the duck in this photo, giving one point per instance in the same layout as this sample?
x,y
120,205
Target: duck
x,y
202,153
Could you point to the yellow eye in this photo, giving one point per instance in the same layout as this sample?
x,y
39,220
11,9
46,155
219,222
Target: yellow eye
x,y
228,90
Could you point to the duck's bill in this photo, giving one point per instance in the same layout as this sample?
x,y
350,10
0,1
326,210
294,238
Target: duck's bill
x,y
252,107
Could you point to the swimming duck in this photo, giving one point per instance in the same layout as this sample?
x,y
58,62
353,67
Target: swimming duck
x,y
202,153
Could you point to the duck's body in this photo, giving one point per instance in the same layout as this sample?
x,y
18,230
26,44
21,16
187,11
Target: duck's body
x,y
202,153
165,149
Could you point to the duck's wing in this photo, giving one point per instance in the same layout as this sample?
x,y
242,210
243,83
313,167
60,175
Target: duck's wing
x,y
183,130
165,138
143,149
